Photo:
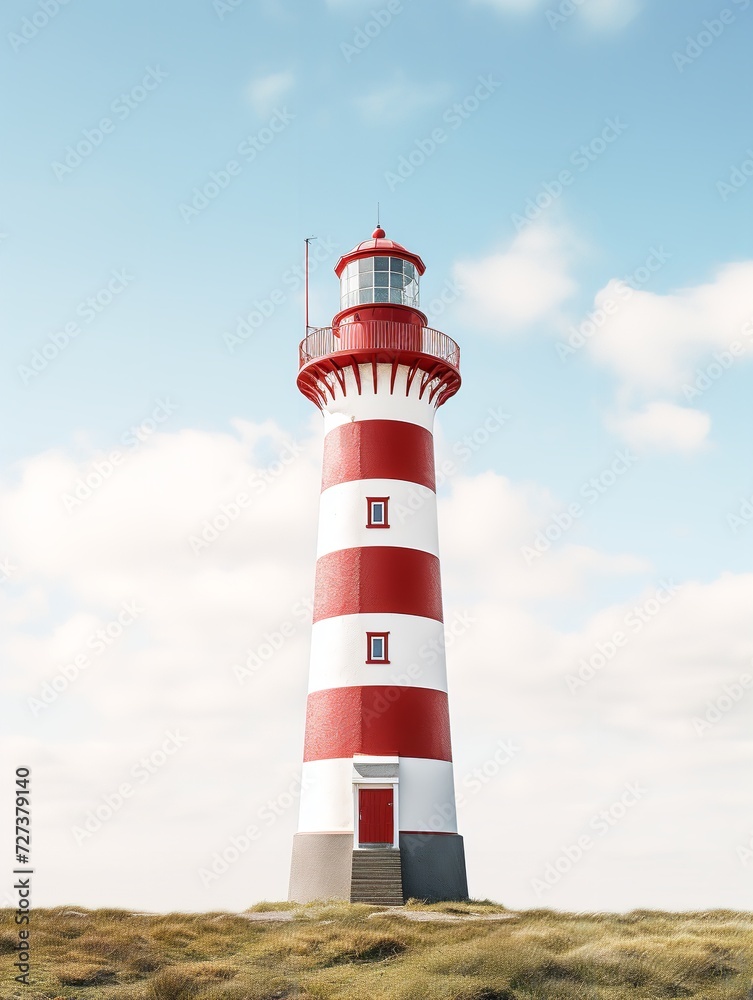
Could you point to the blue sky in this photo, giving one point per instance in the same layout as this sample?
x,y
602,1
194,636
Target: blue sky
x,y
332,123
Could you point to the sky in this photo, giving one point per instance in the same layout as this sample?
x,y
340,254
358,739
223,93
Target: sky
x,y
577,179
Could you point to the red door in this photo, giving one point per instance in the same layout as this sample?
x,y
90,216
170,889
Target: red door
x,y
375,825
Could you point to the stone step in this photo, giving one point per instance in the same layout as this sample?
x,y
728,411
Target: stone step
x,y
376,877
377,897
376,887
368,869
376,852
395,884
368,862
385,863
381,874
382,866
380,902
376,855
383,885
380,891
395,879
371,890
377,881
378,867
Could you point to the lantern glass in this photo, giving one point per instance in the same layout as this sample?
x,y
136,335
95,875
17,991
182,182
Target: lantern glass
x,y
379,279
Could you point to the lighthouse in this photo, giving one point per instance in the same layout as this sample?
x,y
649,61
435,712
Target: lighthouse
x,y
377,812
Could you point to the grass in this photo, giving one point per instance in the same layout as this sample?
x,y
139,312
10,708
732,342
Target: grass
x,y
334,951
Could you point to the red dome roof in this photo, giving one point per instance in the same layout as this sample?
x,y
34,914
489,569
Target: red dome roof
x,y
379,246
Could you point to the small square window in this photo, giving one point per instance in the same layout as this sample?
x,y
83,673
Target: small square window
x,y
377,512
377,647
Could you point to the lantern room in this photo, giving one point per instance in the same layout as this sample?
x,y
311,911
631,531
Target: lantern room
x,y
379,272
379,279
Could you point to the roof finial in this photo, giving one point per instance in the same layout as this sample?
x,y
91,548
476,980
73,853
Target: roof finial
x,y
378,233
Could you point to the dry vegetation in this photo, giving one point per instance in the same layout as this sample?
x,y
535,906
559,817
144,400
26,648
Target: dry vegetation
x,y
339,951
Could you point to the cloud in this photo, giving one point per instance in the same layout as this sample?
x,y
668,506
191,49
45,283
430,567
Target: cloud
x,y
352,7
400,99
506,520
511,6
241,602
265,92
678,343
510,290
610,15
653,341
640,717
663,426
606,15
104,694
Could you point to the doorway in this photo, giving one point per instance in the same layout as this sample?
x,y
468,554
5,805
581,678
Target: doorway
x,y
376,816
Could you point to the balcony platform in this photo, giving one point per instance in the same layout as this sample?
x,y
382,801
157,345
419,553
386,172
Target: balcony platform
x,y
327,352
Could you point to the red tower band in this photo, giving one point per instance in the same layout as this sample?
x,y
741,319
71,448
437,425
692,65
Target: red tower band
x,y
377,819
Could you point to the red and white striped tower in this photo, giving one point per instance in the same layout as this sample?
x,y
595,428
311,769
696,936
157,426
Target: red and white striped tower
x,y
378,800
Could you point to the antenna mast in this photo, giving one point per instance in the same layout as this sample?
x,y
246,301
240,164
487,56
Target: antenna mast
x,y
306,278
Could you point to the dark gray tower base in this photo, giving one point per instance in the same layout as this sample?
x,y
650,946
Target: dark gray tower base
x,y
433,866
321,866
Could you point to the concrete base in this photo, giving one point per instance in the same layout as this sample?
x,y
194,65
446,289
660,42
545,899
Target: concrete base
x,y
433,866
321,866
